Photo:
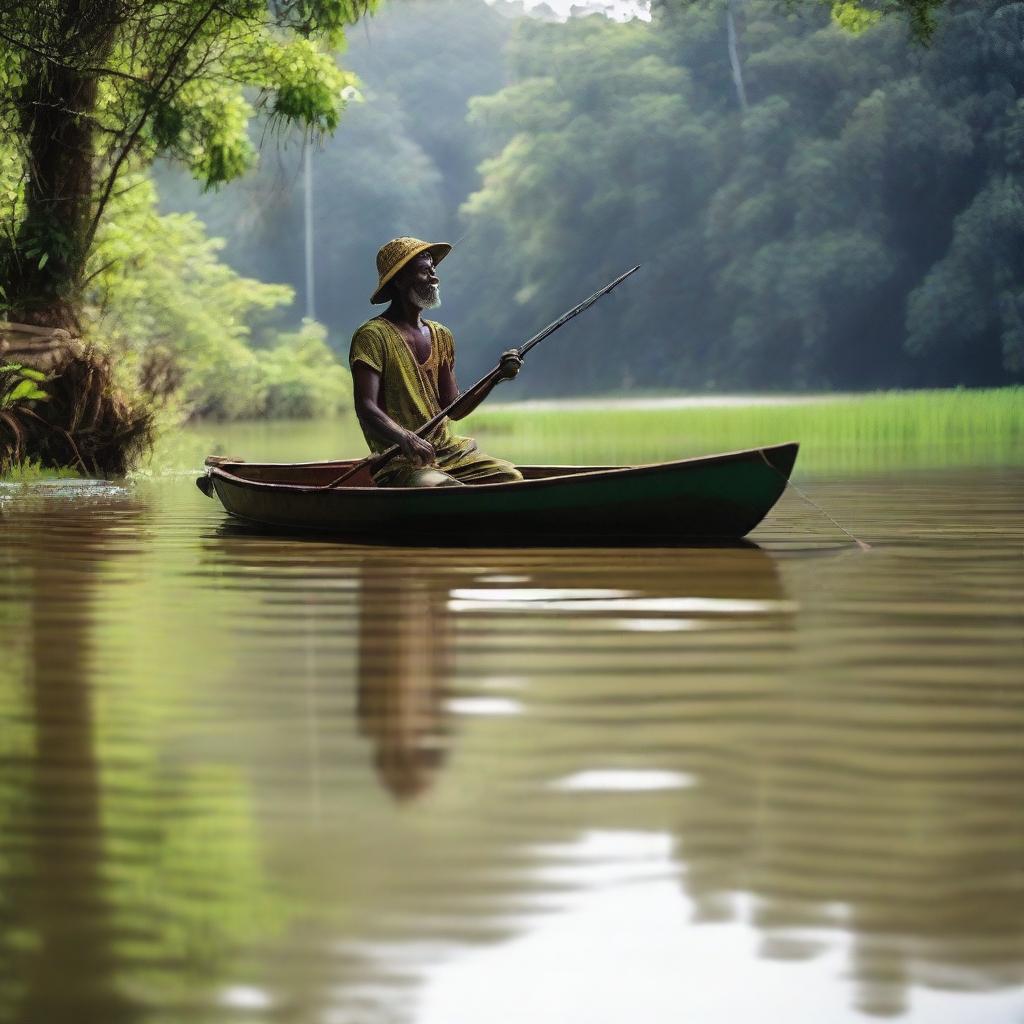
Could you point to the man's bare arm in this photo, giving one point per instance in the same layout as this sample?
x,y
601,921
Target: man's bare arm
x,y
448,388
366,387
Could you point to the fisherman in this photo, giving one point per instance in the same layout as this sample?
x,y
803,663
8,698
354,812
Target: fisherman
x,y
403,373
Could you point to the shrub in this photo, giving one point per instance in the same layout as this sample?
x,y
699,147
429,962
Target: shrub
x,y
301,376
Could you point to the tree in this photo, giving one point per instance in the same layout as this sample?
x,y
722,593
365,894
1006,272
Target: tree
x,y
165,306
920,15
859,225
599,158
94,88
405,161
177,318
854,15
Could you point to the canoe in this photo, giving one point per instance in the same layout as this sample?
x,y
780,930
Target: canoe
x,y
714,497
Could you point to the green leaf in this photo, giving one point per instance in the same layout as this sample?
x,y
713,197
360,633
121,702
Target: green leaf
x,y
31,374
43,259
27,391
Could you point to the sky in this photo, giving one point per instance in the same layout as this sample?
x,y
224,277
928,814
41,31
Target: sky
x,y
620,10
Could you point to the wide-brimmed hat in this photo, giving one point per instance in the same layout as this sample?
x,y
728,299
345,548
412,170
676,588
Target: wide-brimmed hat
x,y
394,255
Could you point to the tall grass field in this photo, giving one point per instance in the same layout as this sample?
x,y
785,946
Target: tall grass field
x,y
841,433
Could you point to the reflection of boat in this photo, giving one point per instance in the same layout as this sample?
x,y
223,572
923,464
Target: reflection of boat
x,y
722,496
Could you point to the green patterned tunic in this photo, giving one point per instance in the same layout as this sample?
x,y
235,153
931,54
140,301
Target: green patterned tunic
x,y
409,395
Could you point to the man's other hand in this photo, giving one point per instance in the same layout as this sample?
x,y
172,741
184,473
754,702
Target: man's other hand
x,y
416,450
511,364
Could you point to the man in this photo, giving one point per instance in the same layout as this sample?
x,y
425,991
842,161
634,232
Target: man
x,y
403,373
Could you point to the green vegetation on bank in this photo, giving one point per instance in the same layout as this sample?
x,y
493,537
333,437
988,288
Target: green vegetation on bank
x,y
187,327
841,433
90,96
184,335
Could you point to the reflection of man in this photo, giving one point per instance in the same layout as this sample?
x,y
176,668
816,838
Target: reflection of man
x,y
403,372
405,653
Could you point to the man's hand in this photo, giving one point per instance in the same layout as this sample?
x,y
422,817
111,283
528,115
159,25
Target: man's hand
x,y
511,364
416,450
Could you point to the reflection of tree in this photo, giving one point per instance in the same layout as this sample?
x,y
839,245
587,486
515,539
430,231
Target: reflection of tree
x,y
405,661
59,934
860,802
16,741
126,878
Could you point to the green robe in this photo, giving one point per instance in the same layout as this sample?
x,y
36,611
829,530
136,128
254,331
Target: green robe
x,y
409,395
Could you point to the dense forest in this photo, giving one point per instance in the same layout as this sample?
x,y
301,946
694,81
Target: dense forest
x,y
820,198
856,221
836,208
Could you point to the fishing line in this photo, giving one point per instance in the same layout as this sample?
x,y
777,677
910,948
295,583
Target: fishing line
x,y
863,545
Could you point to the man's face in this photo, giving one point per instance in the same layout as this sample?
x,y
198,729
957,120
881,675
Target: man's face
x,y
419,281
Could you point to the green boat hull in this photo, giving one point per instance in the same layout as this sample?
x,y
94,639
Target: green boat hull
x,y
709,498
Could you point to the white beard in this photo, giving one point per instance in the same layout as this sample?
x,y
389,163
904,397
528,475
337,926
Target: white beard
x,y
427,297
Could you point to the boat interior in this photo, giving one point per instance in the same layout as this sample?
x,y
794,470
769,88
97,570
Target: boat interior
x,y
320,474
317,474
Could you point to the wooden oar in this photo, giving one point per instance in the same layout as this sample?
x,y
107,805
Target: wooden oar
x,y
373,463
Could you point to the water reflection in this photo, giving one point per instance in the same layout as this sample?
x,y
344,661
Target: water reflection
x,y
125,879
248,776
405,664
407,616
58,939
691,691
876,795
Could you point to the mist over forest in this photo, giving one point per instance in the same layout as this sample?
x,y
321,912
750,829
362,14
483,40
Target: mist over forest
x,y
842,209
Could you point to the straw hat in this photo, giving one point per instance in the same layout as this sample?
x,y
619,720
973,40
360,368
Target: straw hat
x,y
394,255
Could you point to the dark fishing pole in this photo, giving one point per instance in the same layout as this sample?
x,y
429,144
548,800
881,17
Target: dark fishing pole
x,y
373,463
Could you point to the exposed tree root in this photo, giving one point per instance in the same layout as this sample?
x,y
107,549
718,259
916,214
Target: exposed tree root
x,y
87,422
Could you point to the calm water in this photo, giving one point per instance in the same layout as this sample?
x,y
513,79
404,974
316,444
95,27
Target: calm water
x,y
246,778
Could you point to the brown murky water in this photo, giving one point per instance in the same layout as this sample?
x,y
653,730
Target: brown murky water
x,y
246,778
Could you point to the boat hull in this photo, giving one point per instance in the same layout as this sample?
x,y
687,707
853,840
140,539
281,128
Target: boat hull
x,y
714,497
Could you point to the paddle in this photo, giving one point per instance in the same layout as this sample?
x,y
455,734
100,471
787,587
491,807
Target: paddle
x,y
375,462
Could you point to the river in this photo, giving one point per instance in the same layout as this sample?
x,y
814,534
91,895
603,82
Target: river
x,y
252,778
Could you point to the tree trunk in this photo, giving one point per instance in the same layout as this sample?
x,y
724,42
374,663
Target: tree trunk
x,y
734,56
43,267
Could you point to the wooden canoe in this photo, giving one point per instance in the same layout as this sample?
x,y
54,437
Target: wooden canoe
x,y
708,498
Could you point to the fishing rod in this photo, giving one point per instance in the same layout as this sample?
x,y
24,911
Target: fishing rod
x,y
374,463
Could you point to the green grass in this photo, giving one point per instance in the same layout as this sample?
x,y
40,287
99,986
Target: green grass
x,y
31,471
843,433
838,434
